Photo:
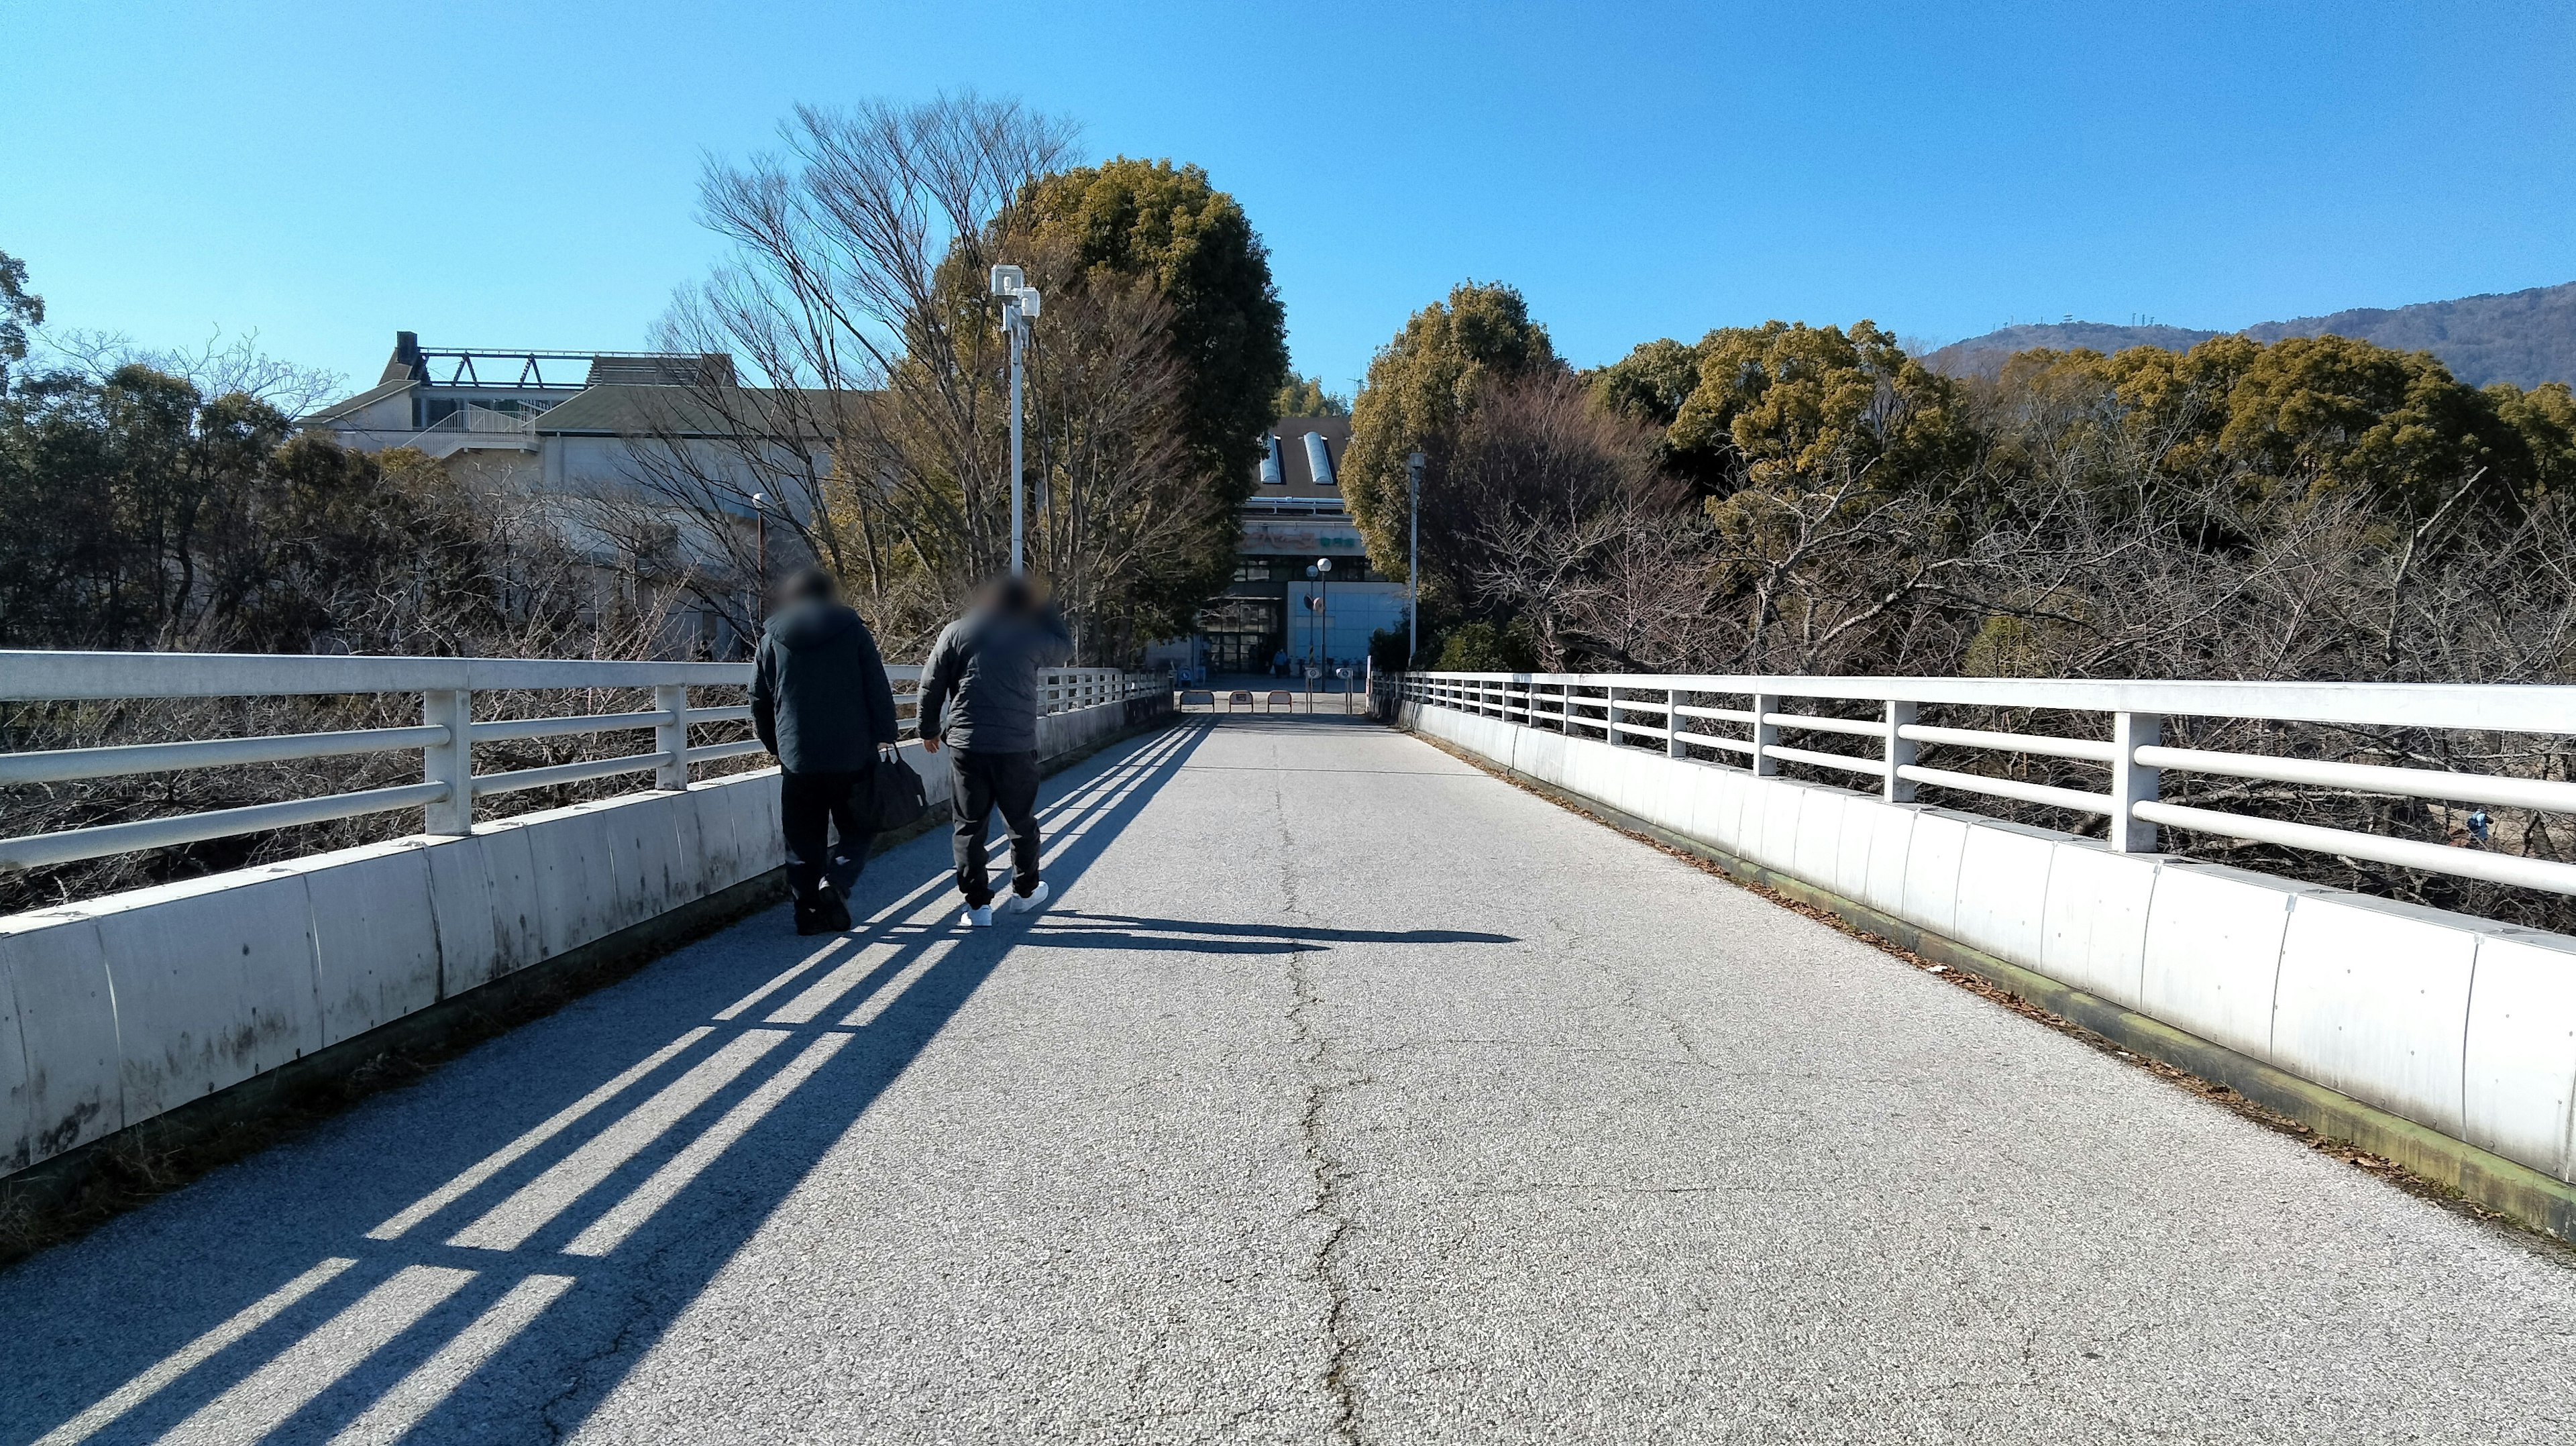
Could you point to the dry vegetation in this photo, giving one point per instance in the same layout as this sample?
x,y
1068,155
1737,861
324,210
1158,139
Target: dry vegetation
x,y
1797,500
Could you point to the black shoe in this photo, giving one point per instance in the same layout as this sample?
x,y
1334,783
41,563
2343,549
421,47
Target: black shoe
x,y
809,917
833,912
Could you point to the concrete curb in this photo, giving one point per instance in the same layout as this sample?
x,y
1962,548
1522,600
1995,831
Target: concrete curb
x,y
2479,1176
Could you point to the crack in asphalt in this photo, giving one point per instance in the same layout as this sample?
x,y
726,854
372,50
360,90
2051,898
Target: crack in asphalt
x,y
1324,1078
640,1308
1329,1173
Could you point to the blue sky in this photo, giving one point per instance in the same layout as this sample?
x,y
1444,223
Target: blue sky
x,y
523,174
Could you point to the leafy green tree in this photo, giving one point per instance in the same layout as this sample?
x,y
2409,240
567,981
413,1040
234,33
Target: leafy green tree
x,y
149,516
2330,412
1485,648
1649,386
1650,383
1421,387
2298,418
1152,219
1785,404
1306,397
19,310
2545,417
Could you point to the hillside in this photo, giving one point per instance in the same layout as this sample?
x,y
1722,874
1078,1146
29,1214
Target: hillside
x,y
2524,337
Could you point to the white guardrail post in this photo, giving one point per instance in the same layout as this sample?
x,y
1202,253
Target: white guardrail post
x,y
449,764
1900,751
1674,747
671,739
1766,734
2132,782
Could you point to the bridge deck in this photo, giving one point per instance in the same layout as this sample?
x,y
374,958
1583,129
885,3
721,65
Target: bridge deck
x,y
1344,1093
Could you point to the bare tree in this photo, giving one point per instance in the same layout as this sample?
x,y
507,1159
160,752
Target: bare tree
x,y
862,399
1120,519
219,366
1527,502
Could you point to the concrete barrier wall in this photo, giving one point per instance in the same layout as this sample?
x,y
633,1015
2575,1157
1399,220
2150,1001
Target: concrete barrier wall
x,y
2461,1025
117,1009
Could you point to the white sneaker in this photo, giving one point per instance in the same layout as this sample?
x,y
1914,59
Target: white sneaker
x,y
976,918
1028,903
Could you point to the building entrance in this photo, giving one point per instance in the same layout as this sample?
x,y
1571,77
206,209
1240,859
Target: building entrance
x,y
1242,633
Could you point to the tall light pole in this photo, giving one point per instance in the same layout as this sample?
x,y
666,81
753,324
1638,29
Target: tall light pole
x,y
1413,559
1316,604
760,585
1019,305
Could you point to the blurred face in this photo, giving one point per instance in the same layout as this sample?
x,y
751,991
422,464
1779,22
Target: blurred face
x,y
1010,595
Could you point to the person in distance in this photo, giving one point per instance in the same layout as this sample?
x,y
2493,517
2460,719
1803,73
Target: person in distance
x,y
820,701
979,697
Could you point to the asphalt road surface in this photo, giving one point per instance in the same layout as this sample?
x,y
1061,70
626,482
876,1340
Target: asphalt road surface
x,y
1344,1094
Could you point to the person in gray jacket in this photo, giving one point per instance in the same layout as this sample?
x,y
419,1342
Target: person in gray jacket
x,y
820,701
979,696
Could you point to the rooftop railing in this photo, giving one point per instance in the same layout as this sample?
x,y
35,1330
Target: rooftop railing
x,y
444,738
2116,733
1320,506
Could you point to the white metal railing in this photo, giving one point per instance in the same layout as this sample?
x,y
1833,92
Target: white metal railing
x,y
1294,505
1061,690
1675,711
446,687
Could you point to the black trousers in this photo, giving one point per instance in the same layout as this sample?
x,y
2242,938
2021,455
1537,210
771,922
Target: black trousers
x,y
810,805
980,783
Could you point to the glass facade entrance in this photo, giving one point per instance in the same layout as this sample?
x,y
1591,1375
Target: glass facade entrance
x,y
1243,633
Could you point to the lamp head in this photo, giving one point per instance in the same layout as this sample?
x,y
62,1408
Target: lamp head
x,y
1009,281
1323,564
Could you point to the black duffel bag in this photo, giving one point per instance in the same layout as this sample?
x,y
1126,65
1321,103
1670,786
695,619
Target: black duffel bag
x,y
896,798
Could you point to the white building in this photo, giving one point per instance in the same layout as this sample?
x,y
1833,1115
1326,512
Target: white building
x,y
1294,521
628,457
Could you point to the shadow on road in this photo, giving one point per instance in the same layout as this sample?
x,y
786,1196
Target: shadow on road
x,y
520,1259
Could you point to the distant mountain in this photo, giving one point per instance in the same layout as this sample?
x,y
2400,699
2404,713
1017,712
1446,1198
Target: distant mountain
x,y
2524,337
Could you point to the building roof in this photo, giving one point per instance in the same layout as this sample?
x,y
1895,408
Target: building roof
x,y
685,369
346,405
620,409
1298,473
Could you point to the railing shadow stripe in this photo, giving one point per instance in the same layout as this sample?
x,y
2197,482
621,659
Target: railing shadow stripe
x,y
525,1162
767,1125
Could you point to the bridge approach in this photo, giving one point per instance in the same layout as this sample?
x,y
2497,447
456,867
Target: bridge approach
x,y
1344,1093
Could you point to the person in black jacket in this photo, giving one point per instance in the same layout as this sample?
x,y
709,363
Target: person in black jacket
x,y
820,700
979,694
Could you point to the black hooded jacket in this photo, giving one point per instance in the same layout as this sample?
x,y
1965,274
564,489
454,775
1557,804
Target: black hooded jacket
x,y
980,688
819,694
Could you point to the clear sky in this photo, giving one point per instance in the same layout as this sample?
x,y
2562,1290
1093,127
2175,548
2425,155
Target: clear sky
x,y
522,174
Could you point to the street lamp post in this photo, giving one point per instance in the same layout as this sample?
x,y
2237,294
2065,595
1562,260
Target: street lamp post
x,y
1019,305
1319,603
1413,559
760,584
